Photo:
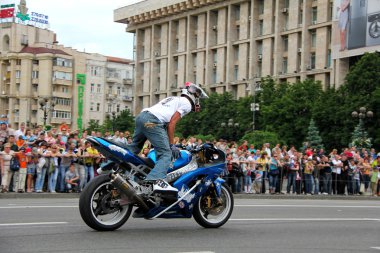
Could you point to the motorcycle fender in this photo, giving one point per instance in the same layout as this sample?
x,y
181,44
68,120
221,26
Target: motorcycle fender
x,y
218,185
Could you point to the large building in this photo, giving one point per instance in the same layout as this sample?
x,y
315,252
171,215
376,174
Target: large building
x,y
230,45
37,73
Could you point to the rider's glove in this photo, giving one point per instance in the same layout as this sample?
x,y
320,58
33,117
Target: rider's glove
x,y
175,151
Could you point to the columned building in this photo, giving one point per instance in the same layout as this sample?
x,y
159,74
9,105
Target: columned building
x,y
231,45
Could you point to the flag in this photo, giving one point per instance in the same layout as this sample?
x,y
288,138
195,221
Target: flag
x,y
7,13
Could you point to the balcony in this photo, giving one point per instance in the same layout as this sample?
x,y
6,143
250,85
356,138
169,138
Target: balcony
x,y
62,94
127,98
34,107
128,81
66,108
60,121
111,96
62,82
17,107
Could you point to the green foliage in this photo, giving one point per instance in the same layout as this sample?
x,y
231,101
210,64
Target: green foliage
x,y
258,138
205,138
93,125
313,139
286,109
124,121
360,137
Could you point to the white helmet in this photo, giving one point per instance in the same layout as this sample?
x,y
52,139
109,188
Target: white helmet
x,y
194,92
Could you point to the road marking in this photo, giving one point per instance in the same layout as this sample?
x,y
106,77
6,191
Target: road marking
x,y
307,219
378,248
21,207
325,206
32,223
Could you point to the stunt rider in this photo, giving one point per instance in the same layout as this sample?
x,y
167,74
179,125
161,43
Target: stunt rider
x,y
157,124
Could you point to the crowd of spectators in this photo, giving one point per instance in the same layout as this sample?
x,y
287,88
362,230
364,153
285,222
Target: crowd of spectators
x,y
283,170
60,160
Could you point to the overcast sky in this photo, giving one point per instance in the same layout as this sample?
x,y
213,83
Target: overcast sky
x,y
87,25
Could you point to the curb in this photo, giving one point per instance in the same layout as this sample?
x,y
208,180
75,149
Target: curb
x,y
12,195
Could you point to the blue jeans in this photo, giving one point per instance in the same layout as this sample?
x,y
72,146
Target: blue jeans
x,y
273,179
150,127
308,182
350,184
41,173
327,182
62,174
291,182
52,181
89,173
316,185
247,180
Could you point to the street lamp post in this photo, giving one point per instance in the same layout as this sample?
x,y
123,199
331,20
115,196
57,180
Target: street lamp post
x,y
362,114
255,107
113,120
46,108
230,124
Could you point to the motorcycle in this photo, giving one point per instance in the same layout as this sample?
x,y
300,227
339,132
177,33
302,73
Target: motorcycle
x,y
107,201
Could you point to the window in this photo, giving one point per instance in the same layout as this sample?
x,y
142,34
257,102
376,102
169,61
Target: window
x,y
328,58
92,106
286,4
35,62
214,76
261,7
96,71
113,73
237,12
261,27
98,107
312,60
62,75
118,108
109,108
65,90
34,74
18,62
18,73
62,101
63,62
215,56
300,17
284,65
236,52
314,15
313,38
236,72
92,88
61,115
260,47
109,89
285,43
99,89
118,90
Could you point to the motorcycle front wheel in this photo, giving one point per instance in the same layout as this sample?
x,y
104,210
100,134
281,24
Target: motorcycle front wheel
x,y
99,205
210,212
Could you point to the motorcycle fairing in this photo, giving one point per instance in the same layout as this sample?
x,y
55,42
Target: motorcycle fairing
x,y
183,160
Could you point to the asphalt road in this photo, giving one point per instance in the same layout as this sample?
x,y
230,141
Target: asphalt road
x,y
54,225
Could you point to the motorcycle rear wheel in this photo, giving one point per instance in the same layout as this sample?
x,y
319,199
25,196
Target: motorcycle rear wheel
x,y
96,205
216,216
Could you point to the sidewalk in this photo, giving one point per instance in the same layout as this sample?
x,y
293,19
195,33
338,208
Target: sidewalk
x,y
11,195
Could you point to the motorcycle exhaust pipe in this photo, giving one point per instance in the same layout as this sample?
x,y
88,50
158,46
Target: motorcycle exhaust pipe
x,y
122,185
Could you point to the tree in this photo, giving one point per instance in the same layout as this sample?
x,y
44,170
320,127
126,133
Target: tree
x,y
360,137
313,139
124,121
93,125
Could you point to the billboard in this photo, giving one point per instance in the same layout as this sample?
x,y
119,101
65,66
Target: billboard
x,y
357,23
17,11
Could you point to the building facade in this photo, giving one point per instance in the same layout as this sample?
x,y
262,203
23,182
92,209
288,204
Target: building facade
x,y
35,69
228,46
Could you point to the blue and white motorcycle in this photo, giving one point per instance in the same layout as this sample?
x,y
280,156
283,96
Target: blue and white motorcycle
x,y
106,202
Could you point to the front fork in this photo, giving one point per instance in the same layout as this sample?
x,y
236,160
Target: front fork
x,y
216,191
